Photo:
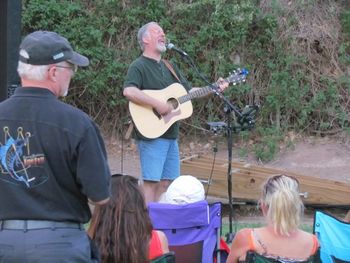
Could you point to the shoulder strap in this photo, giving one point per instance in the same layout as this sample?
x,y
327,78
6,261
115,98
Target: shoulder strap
x,y
315,244
257,238
170,67
251,240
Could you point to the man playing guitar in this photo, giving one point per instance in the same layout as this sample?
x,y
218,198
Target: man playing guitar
x,y
159,157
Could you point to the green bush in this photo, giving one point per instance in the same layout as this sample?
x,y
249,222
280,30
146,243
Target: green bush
x,y
290,77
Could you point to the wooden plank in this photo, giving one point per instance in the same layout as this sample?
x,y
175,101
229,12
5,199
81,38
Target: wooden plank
x,y
247,180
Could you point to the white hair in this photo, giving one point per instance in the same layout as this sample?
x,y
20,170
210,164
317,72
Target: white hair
x,y
33,72
143,31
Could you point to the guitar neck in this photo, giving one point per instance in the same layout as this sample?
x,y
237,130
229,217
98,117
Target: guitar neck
x,y
195,94
233,78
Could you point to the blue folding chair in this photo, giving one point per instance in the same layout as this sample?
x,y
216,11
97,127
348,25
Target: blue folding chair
x,y
334,237
193,230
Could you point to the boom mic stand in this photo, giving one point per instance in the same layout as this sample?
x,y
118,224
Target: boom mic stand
x,y
245,121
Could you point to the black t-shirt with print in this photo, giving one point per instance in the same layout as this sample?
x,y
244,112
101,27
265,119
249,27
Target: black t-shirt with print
x,y
53,159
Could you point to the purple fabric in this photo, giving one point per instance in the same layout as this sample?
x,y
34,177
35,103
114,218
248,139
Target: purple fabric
x,y
187,224
170,216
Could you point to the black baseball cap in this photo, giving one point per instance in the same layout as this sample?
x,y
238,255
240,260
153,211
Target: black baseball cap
x,y
45,47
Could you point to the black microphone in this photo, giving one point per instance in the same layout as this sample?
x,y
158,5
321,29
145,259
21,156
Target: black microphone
x,y
178,50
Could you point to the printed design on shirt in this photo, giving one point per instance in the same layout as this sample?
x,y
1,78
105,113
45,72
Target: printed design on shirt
x,y
16,160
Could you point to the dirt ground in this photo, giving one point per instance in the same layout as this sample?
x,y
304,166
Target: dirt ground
x,y
321,157
324,158
313,156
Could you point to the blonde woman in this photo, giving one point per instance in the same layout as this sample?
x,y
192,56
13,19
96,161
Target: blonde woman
x,y
281,239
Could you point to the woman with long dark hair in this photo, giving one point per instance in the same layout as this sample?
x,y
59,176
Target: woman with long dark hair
x,y
122,228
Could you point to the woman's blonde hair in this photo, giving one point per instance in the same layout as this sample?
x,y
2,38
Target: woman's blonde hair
x,y
284,205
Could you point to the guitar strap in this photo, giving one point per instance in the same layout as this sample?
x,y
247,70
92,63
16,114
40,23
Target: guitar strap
x,y
129,130
170,67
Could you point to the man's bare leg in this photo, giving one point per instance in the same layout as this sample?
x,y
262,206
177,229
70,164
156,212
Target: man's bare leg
x,y
161,188
150,191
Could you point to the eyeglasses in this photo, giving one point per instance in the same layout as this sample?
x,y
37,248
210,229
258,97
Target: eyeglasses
x,y
74,68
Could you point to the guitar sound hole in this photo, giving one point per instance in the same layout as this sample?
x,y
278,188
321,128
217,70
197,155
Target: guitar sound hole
x,y
174,103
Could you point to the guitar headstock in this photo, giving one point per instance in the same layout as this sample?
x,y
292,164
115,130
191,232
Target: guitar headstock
x,y
237,76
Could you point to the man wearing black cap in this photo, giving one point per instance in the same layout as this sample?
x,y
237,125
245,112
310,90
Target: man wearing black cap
x,y
52,159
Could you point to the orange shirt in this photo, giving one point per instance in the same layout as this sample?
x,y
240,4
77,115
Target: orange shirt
x,y
155,247
252,246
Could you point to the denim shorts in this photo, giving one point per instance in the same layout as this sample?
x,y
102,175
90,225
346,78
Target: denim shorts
x,y
159,159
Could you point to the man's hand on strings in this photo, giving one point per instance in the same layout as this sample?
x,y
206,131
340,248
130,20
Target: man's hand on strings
x,y
163,108
222,84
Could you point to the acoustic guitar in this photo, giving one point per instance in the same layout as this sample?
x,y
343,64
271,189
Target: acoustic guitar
x,y
152,125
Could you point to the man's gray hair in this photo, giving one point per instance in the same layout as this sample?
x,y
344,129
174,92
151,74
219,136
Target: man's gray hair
x,y
142,32
33,72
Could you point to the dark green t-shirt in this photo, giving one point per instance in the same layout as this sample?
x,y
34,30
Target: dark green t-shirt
x,y
146,73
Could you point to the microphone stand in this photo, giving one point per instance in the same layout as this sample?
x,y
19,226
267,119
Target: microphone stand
x,y
228,109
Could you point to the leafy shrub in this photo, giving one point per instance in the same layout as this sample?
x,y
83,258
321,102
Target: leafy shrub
x,y
297,71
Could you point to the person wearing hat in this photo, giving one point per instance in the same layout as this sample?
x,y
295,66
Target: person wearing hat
x,y
52,159
185,189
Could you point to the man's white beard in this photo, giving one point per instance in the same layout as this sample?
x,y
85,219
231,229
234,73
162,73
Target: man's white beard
x,y
65,93
161,48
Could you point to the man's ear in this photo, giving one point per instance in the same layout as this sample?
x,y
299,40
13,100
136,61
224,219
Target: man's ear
x,y
52,73
145,39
